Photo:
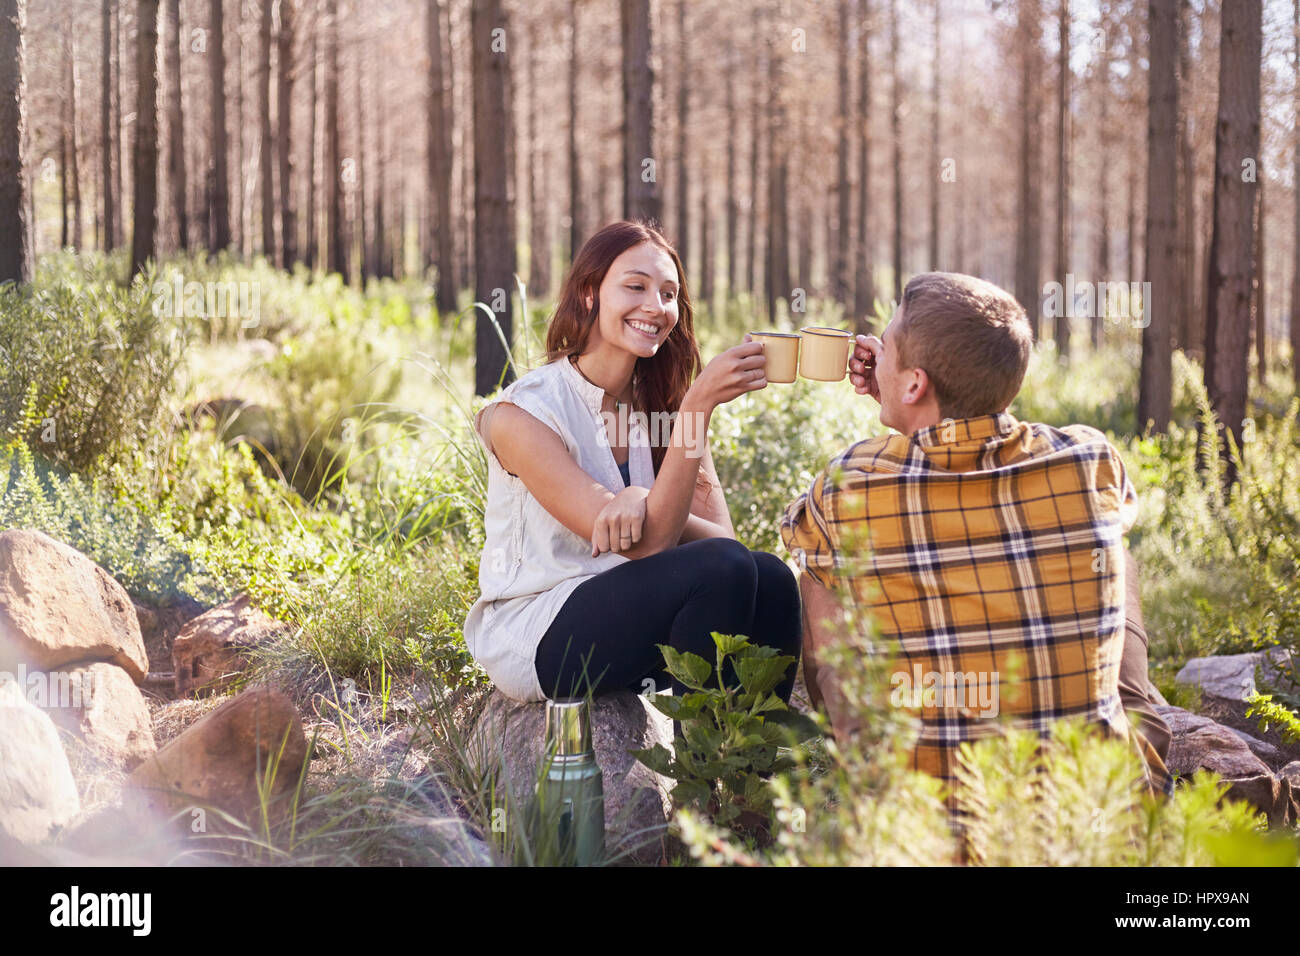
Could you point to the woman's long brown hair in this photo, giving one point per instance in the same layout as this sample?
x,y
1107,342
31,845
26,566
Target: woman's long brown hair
x,y
660,381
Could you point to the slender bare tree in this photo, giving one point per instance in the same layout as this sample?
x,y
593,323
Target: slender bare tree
x,y
1028,200
218,170
896,134
284,129
864,288
641,195
15,250
1062,330
144,191
1236,155
494,229
1160,313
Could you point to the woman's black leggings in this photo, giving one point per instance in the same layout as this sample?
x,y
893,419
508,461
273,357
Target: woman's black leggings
x,y
605,636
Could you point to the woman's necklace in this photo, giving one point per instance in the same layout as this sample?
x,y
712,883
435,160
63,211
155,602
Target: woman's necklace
x,y
618,402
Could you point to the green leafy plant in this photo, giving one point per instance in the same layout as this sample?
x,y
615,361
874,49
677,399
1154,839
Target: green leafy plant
x,y
731,736
1268,711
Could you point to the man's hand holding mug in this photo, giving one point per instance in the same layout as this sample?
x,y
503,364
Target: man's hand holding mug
x,y
862,365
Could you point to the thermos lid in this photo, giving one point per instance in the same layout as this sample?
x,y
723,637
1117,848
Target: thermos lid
x,y
568,727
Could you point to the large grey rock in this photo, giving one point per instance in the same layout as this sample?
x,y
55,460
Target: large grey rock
x,y
637,806
37,792
57,607
1292,772
1231,676
106,711
213,648
1200,743
218,760
1262,749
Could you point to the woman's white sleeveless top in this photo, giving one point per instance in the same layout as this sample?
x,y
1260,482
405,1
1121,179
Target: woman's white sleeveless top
x,y
531,562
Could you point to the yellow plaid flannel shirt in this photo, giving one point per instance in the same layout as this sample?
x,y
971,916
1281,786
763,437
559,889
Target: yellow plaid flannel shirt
x,y
986,548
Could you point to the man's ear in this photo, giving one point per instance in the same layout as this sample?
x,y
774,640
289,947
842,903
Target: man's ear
x,y
918,387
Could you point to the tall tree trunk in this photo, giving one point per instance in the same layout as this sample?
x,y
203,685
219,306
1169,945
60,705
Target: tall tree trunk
x,y
1062,330
896,133
732,206
284,128
935,181
119,136
778,245
682,183
441,240
1096,326
16,249
641,196
839,258
1191,320
465,153
144,192
359,223
539,243
575,170
310,244
108,193
338,254
1028,203
219,171
1155,382
706,251
176,172
265,163
1231,241
73,162
864,294
241,169
65,104
1295,271
379,235
494,232
755,138
1258,310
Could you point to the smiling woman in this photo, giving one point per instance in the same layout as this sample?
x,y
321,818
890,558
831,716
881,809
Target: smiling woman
x,y
601,547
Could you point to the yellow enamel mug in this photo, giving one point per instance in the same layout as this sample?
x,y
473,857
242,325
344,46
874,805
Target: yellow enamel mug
x,y
824,353
782,351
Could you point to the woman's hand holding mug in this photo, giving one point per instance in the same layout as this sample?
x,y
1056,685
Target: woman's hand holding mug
x,y
862,365
618,526
732,373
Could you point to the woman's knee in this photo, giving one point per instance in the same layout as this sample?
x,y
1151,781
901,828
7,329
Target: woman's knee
x,y
724,559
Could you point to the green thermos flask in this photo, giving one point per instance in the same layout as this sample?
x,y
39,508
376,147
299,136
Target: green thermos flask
x,y
571,797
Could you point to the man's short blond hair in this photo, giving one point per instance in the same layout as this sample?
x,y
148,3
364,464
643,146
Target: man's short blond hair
x,y
972,339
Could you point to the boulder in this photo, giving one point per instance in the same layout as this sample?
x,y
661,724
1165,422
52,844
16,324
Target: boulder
x,y
37,792
1231,676
160,625
1262,749
212,649
637,806
105,709
1199,743
1292,772
218,761
57,607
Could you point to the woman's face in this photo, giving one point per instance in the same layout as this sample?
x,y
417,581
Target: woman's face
x,y
638,301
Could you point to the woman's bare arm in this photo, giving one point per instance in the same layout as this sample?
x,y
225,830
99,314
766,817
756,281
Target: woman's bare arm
x,y
532,451
709,517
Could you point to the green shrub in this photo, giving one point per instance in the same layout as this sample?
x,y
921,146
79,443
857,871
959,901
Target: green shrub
x,y
87,370
730,739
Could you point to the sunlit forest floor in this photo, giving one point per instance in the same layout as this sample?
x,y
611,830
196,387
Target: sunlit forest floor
x,y
334,479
